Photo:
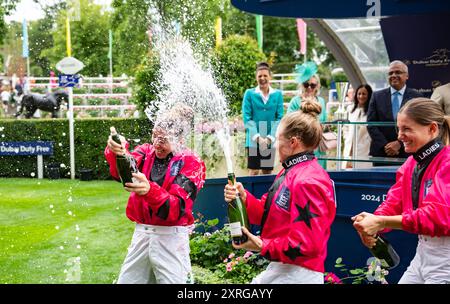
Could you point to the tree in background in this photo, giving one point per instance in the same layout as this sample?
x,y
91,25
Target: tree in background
x,y
89,38
146,83
234,67
195,19
281,42
40,38
130,23
131,20
12,49
6,7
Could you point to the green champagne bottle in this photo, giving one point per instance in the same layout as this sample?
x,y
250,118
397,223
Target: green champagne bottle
x,y
237,215
125,164
384,252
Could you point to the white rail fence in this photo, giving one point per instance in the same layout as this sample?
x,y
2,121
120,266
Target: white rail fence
x,y
99,95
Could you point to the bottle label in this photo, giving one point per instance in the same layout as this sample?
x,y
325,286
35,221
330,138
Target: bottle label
x,y
235,229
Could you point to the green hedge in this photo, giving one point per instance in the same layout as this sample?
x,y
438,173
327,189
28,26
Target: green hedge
x,y
90,141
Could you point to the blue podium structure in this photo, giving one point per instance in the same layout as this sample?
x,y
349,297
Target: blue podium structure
x,y
356,191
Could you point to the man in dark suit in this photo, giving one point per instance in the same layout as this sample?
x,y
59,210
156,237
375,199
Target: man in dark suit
x,y
384,106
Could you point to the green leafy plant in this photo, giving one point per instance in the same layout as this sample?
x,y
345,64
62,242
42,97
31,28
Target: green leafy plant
x,y
118,90
147,82
370,274
242,267
79,90
95,101
234,67
214,259
209,245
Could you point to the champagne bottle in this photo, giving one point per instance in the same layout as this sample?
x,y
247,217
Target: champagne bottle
x,y
384,251
237,215
125,164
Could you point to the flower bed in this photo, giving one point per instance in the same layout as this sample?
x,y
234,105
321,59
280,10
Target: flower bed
x,y
214,261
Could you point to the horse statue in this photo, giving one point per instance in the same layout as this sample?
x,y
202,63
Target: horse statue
x,y
51,102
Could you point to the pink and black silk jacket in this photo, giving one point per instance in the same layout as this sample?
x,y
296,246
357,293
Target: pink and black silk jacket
x,y
170,204
421,193
296,214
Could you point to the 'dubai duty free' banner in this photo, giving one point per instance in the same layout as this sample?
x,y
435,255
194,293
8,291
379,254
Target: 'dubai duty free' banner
x,y
423,43
20,148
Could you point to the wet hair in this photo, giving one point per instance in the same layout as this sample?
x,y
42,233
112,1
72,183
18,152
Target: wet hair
x,y
369,96
263,66
304,124
183,110
177,121
425,111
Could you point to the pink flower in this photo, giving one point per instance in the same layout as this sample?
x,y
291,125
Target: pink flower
x,y
231,255
332,278
248,254
238,259
229,267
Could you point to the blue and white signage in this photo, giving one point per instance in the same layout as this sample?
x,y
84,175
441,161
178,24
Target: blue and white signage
x,y
66,80
14,148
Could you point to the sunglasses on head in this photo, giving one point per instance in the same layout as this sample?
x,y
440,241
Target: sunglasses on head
x,y
307,85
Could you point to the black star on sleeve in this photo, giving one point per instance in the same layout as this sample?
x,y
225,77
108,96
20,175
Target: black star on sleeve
x,y
305,215
293,253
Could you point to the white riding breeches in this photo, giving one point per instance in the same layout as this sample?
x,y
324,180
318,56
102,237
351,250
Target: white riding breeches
x,y
157,254
431,264
280,273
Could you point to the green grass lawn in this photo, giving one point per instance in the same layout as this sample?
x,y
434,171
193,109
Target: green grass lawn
x,y
62,231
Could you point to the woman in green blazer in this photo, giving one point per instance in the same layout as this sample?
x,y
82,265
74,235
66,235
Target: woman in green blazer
x,y
262,110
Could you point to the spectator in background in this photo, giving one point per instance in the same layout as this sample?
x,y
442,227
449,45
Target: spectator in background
x,y
309,88
384,106
18,94
350,94
18,89
53,80
262,110
442,96
358,113
6,96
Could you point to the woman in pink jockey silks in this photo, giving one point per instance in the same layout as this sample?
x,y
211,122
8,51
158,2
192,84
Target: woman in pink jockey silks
x,y
419,201
161,201
297,212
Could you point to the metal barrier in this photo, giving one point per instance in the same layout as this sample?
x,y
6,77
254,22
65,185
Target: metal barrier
x,y
358,158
